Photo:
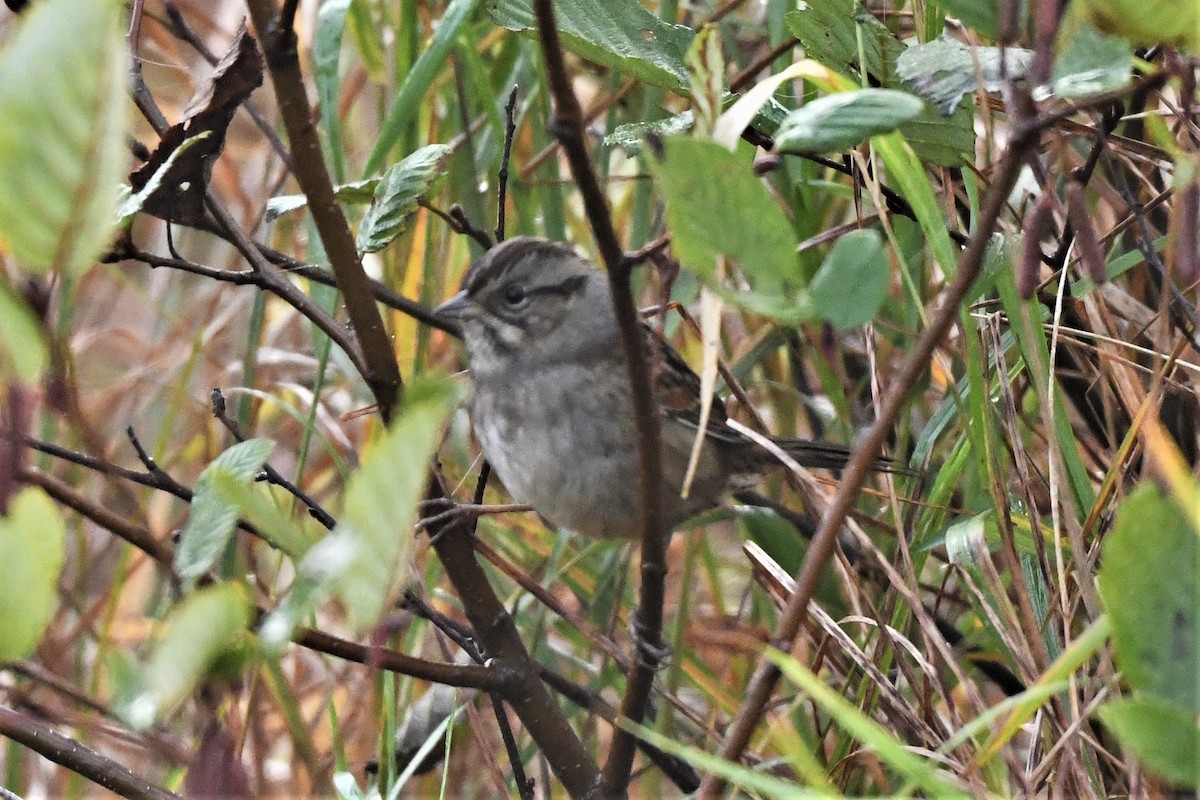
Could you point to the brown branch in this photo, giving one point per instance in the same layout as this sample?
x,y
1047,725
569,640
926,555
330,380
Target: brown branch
x,y
272,281
136,535
467,676
71,754
510,128
568,127
863,457
249,277
495,629
381,372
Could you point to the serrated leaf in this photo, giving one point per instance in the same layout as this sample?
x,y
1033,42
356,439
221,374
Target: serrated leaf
x,y
22,346
845,120
830,31
1150,582
360,560
63,122
1164,738
32,549
212,519
945,70
397,195
630,136
620,34
852,281
197,633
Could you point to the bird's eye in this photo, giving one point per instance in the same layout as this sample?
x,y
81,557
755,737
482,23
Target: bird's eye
x,y
514,294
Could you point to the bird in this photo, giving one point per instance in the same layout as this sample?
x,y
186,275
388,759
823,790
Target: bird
x,y
552,408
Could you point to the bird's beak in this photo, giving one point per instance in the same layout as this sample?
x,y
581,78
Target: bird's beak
x,y
457,308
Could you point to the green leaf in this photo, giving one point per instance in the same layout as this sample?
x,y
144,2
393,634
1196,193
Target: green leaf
x,y
967,538
938,139
363,25
632,135
1148,22
62,132
1150,582
22,346
945,70
1082,648
773,534
845,120
1089,62
701,182
620,34
355,192
830,31
755,782
1165,739
412,93
982,15
204,627
212,519
361,559
399,191
852,281
32,549
909,176
252,504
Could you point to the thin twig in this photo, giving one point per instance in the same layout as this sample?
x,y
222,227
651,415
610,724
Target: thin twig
x,y
495,629
414,603
101,770
467,676
510,128
272,475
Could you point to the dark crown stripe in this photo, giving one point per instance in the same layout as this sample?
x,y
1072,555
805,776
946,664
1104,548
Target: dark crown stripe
x,y
495,265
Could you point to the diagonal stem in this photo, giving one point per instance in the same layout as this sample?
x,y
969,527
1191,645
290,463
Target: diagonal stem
x,y
863,458
381,373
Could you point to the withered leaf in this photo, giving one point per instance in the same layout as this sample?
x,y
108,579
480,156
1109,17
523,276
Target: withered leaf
x,y
180,197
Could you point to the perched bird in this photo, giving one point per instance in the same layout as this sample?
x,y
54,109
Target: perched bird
x,y
551,403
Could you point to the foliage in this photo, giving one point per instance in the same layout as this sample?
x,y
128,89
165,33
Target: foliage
x,y
246,600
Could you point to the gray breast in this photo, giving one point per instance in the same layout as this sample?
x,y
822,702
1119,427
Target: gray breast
x,y
563,443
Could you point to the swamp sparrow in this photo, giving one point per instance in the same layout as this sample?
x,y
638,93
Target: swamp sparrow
x,y
551,401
